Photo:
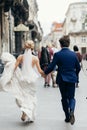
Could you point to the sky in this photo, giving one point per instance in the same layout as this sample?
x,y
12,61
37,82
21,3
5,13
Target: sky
x,y
51,11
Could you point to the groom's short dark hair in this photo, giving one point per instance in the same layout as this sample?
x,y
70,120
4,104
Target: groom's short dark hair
x,y
64,41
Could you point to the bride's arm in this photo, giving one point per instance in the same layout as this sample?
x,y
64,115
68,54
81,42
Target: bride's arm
x,y
38,66
18,61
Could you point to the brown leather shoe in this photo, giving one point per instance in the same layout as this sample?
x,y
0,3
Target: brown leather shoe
x,y
72,118
23,117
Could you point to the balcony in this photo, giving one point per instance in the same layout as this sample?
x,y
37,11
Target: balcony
x,y
20,10
73,19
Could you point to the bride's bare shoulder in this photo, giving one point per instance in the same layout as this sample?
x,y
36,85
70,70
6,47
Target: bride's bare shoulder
x,y
35,60
35,57
20,57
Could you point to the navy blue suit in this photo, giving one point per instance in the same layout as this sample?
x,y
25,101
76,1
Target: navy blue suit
x,y
67,76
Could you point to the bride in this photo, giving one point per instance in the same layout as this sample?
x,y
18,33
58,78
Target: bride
x,y
21,82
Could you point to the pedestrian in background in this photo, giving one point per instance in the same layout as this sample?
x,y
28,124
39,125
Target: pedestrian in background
x,y
44,62
54,72
67,76
52,49
76,50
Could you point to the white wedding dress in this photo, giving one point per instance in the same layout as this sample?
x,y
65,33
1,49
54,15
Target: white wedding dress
x,y
21,82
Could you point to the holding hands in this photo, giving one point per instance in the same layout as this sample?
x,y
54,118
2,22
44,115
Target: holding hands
x,y
43,74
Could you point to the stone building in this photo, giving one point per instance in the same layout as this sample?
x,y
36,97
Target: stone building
x,y
75,25
35,29
54,35
12,14
20,12
4,25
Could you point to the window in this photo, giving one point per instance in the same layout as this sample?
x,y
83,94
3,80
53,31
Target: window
x,y
83,50
83,39
83,26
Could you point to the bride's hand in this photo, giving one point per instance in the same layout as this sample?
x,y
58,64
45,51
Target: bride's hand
x,y
43,74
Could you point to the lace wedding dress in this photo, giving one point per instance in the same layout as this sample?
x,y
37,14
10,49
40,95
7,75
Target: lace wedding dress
x,y
21,82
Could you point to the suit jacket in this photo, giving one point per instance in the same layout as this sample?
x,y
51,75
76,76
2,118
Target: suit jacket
x,y
68,66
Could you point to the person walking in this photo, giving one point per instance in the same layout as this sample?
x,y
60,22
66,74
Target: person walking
x,y
44,62
22,82
54,72
76,50
67,76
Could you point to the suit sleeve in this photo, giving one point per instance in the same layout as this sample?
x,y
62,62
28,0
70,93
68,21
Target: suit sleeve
x,y
52,65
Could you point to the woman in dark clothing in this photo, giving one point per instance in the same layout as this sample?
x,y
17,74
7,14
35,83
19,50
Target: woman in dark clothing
x,y
76,50
44,61
79,56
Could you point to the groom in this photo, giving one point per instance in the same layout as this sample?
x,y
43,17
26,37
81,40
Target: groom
x,y
67,76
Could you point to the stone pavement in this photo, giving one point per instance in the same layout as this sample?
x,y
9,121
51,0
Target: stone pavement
x,y
49,111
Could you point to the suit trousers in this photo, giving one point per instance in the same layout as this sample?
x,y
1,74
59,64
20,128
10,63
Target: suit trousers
x,y
67,91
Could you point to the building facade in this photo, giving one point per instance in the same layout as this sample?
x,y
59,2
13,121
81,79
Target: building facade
x,y
12,14
54,35
75,25
4,25
35,30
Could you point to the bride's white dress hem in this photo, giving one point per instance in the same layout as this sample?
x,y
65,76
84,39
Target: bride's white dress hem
x,y
22,87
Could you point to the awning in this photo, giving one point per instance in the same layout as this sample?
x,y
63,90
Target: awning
x,y
21,27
